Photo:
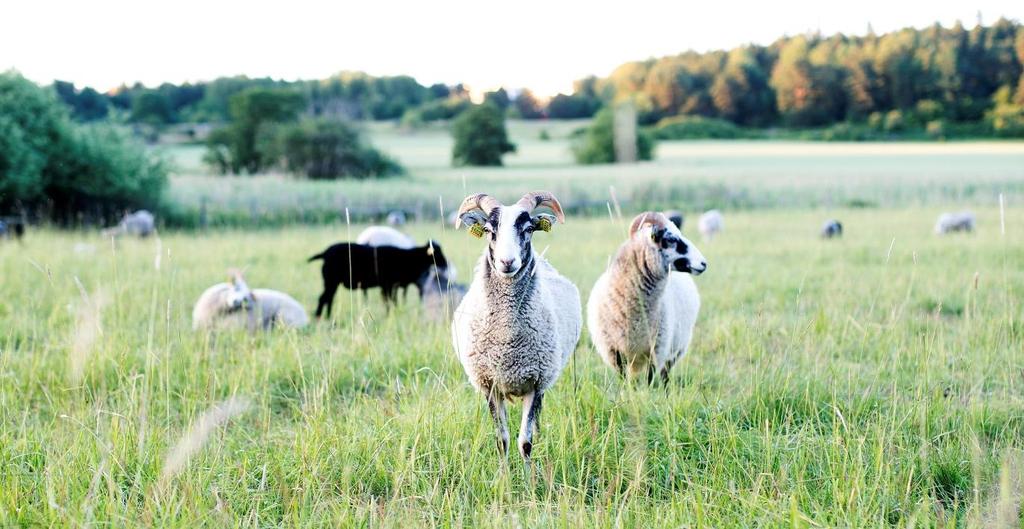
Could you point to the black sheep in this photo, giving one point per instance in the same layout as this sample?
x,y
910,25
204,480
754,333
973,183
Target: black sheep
x,y
386,267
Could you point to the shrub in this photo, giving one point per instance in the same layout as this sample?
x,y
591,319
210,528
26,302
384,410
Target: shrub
x,y
480,136
100,173
249,143
894,121
50,165
323,149
876,120
597,143
697,128
936,128
928,110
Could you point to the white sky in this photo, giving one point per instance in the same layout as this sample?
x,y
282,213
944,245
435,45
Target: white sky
x,y
543,45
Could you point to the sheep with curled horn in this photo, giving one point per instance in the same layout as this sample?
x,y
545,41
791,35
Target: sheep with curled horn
x,y
520,321
642,310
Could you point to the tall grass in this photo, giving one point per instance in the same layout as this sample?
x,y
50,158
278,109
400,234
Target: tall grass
x,y
873,381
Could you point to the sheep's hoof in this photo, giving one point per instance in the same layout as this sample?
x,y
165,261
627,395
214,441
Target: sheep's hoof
x,y
526,448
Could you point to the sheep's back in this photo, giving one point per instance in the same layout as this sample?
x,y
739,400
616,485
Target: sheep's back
x,y
283,308
209,305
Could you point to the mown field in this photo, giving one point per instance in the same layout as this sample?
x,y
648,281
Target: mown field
x,y
693,175
876,381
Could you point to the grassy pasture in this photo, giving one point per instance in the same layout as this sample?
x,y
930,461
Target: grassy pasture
x,y
875,381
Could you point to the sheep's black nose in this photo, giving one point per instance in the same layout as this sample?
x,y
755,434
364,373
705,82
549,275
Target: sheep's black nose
x,y
506,264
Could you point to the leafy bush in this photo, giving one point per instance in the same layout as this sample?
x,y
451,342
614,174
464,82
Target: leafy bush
x,y
936,128
597,143
928,110
52,166
323,149
249,143
697,128
1006,118
894,121
480,136
100,173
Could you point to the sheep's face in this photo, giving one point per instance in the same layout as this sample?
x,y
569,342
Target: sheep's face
x,y
677,252
239,296
509,233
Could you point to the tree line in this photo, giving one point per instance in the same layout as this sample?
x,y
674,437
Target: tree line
x,y
922,75
911,77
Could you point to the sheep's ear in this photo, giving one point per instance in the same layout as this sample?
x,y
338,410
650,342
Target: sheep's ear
x,y
475,221
544,221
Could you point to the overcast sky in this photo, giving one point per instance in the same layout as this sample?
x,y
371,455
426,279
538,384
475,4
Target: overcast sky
x,y
543,45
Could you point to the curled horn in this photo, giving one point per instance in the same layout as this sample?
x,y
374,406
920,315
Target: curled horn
x,y
536,199
481,201
648,217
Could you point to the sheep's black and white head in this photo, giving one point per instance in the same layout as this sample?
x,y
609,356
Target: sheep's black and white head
x,y
240,296
509,229
677,252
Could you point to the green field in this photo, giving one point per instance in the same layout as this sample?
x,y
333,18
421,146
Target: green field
x,y
875,381
690,175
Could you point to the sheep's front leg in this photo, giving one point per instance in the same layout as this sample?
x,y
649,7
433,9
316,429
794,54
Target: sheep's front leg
x,y
664,372
531,420
497,406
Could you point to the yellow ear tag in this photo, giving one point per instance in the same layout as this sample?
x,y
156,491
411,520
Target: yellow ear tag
x,y
476,230
543,224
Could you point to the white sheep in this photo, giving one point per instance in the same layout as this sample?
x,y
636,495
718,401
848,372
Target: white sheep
x,y
439,293
952,222
520,321
396,218
385,236
139,224
710,224
234,305
642,310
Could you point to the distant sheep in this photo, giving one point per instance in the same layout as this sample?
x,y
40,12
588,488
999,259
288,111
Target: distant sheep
x,y
710,224
364,267
396,218
138,224
953,222
676,217
832,229
384,236
234,305
439,293
12,228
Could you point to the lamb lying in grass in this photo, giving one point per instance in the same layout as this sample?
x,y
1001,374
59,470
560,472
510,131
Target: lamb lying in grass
x,y
234,305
